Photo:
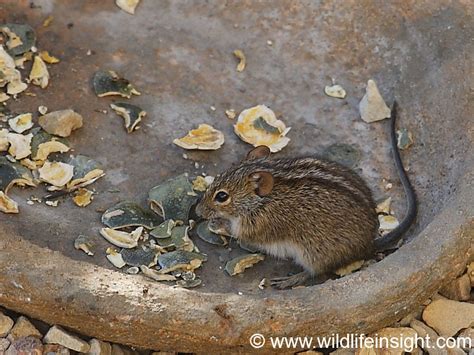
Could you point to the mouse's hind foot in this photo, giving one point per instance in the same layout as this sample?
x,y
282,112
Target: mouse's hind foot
x,y
290,281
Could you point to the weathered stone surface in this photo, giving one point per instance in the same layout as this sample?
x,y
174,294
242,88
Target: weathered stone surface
x,y
25,345
470,273
98,347
122,350
4,344
61,123
403,333
467,334
24,328
342,351
55,349
6,323
459,289
455,351
448,317
57,335
424,331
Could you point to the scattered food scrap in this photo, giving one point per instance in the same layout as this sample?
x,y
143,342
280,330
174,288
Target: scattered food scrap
x,y
173,199
7,205
200,184
205,137
108,83
13,174
122,239
56,173
131,114
129,214
48,20
203,232
20,145
44,149
128,6
61,123
372,107
384,206
39,74
163,230
48,58
115,258
4,144
259,126
240,263
180,260
241,56
21,123
85,244
404,139
231,114
156,275
387,223
21,38
336,91
139,256
83,197
86,171
189,283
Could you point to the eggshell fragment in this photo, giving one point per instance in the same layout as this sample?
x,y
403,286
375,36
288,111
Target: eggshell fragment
x,y
20,145
205,137
259,126
56,173
21,122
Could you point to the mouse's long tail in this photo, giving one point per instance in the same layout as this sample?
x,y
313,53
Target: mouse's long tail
x,y
391,238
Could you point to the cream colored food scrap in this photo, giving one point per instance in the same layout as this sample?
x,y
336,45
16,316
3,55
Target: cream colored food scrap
x,y
83,197
243,61
39,74
20,145
205,137
44,149
7,205
48,58
21,122
122,239
128,6
259,126
4,144
56,173
387,223
336,91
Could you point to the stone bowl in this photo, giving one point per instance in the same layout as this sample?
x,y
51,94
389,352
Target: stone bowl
x,y
179,55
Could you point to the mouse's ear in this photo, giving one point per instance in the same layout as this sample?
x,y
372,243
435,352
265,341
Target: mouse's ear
x,y
262,151
263,181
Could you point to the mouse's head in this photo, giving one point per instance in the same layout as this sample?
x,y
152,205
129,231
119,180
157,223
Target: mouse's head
x,y
238,191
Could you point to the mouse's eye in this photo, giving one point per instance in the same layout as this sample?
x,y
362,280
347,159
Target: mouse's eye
x,y
221,196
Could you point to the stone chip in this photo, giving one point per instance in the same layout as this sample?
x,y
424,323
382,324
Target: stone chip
x,y
57,335
448,317
61,123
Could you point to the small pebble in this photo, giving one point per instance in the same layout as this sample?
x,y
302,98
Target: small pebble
x,y
57,335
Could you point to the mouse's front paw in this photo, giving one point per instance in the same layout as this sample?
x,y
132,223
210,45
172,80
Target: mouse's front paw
x,y
282,283
220,226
